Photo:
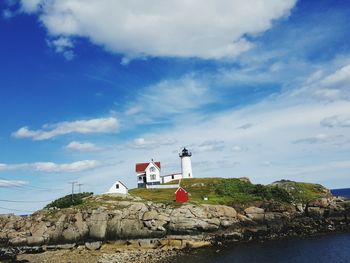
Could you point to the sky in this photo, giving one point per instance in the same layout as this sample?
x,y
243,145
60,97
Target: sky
x,y
88,88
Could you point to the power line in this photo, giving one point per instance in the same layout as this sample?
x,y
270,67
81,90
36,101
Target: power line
x,y
73,183
22,201
16,210
80,187
16,186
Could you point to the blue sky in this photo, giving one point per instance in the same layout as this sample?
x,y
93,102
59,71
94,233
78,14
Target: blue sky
x,y
88,88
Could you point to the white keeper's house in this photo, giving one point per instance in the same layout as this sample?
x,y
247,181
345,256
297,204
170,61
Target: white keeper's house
x,y
118,188
149,174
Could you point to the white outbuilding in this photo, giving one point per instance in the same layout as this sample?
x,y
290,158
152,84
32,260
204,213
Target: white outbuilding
x,y
118,188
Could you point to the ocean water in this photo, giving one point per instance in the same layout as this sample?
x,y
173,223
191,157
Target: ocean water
x,y
341,192
332,248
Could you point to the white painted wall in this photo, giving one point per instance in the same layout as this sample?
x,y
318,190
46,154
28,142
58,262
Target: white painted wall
x,y
169,178
152,169
118,188
162,186
186,167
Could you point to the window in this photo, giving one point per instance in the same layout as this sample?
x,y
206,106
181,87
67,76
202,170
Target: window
x,y
172,177
153,177
152,169
140,178
117,186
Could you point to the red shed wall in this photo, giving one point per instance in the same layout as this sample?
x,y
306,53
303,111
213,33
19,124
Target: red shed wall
x,y
181,196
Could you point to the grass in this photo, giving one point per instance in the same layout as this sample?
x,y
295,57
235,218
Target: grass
x,y
198,188
304,192
234,191
231,191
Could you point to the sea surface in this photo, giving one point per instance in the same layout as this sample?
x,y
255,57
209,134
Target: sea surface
x,y
341,192
332,248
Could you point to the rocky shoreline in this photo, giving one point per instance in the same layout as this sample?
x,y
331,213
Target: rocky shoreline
x,y
136,226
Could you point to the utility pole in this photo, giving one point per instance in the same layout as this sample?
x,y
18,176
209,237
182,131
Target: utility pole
x,y
73,183
80,187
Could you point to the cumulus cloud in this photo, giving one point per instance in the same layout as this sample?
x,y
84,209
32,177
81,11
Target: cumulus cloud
x,y
30,6
174,28
82,146
11,183
50,167
64,46
49,131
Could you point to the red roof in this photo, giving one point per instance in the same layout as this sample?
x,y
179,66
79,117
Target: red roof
x,y
141,167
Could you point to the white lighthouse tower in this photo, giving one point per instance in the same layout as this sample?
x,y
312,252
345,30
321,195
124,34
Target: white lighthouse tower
x,y
186,166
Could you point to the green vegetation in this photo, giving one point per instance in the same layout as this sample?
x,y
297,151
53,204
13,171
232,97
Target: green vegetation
x,y
242,191
303,192
235,191
218,191
69,200
232,191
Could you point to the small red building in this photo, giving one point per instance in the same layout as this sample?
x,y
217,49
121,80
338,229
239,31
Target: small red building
x,y
181,195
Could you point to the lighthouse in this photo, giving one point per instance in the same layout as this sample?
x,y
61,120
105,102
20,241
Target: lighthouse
x,y
186,166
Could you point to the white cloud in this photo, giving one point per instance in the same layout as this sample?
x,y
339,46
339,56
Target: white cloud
x,y
170,97
11,183
142,143
50,167
174,28
30,6
82,146
7,14
237,148
332,87
319,138
336,121
102,125
208,146
133,110
64,46
341,164
339,79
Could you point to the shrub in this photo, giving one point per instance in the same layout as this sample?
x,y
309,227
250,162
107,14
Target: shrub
x,y
68,201
240,190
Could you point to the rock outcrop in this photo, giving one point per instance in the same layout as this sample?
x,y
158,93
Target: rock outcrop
x,y
159,223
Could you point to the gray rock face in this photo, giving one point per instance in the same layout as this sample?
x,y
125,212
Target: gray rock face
x,y
98,225
255,213
141,221
35,240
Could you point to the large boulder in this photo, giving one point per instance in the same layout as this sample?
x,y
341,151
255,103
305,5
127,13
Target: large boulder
x,y
35,240
150,215
93,245
315,211
98,225
220,211
255,213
